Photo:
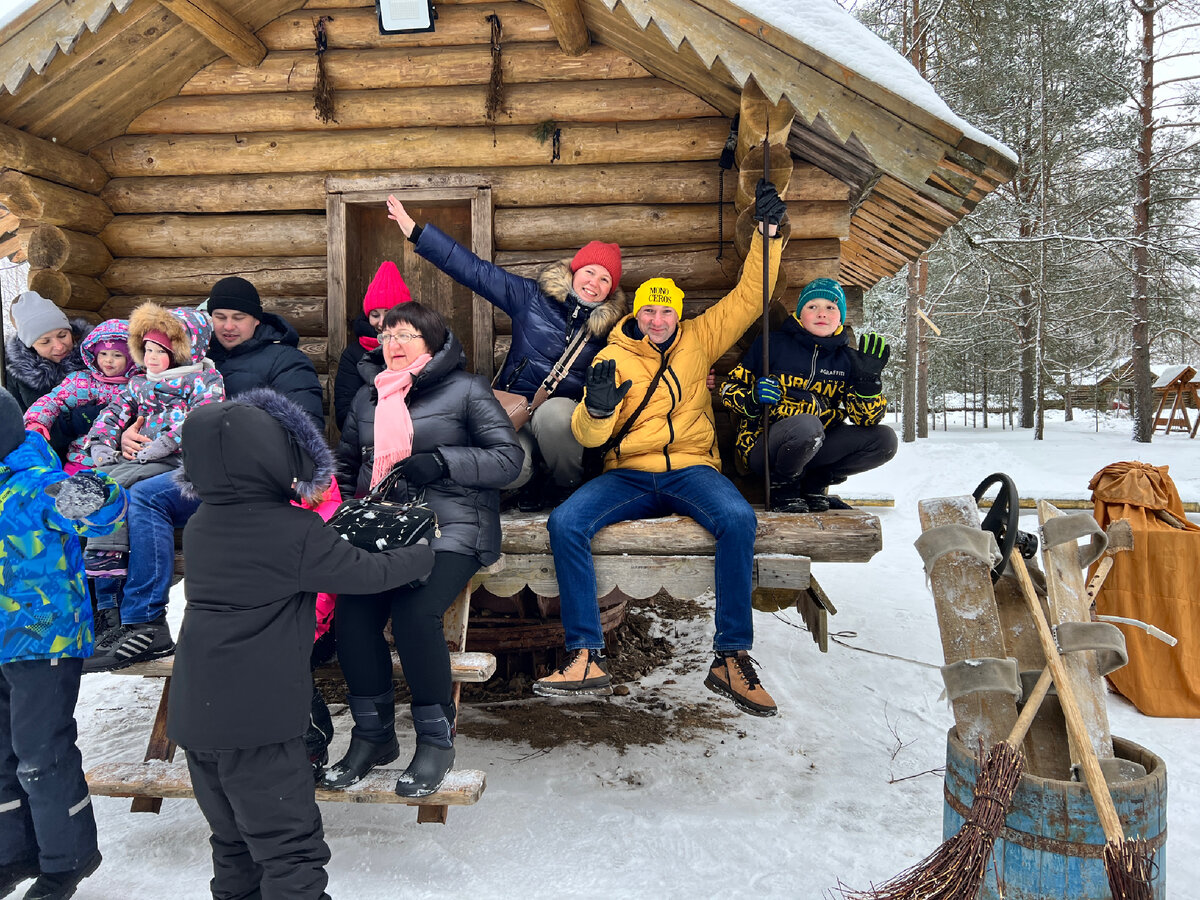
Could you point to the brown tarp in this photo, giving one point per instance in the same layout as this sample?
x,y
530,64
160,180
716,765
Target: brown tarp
x,y
1158,583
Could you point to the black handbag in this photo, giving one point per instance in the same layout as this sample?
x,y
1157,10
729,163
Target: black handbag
x,y
376,524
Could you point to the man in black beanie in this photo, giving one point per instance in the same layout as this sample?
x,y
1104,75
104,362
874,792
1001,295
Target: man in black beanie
x,y
12,426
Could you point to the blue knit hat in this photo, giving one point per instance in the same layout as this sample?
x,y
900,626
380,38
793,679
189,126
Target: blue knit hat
x,y
823,289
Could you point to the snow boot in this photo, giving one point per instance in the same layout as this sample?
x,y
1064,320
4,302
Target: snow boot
x,y
786,498
61,885
132,643
107,623
434,755
732,675
585,674
319,734
372,741
15,872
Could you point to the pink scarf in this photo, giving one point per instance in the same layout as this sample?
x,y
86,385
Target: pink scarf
x,y
393,424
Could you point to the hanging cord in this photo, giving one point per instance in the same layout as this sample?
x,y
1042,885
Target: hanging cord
x,y
322,90
495,92
557,145
725,162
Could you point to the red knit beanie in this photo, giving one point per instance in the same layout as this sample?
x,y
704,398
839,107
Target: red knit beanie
x,y
386,290
598,254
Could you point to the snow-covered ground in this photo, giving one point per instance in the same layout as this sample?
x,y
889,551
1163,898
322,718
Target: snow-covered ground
x,y
781,807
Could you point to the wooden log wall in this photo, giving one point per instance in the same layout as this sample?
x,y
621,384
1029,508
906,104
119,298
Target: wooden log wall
x,y
228,177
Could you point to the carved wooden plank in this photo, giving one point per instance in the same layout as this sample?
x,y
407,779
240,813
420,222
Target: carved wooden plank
x,y
968,621
835,536
1066,596
464,666
220,29
462,787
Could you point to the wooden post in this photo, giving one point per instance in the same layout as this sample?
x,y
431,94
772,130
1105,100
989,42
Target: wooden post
x,y
220,29
566,18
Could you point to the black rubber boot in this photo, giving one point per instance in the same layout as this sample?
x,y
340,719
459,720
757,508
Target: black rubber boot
x,y
372,741
435,751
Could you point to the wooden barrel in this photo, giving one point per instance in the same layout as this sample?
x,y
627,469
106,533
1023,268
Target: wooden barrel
x,y
1052,843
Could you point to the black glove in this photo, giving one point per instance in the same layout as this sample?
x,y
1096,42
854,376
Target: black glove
x,y
603,396
870,358
80,495
769,207
421,469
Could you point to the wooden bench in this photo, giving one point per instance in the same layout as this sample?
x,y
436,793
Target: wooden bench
x,y
158,777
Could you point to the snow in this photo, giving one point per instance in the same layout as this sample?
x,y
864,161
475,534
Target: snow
x,y
835,33
781,807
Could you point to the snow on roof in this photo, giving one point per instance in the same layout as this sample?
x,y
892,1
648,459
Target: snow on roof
x,y
1169,374
830,30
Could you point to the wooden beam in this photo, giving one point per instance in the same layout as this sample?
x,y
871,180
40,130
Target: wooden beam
x,y
36,201
61,249
67,290
220,29
187,236
46,159
305,314
566,18
278,275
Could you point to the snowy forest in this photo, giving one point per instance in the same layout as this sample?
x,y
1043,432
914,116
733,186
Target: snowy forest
x,y
1082,268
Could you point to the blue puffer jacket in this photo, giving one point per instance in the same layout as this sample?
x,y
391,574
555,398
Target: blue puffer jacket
x,y
271,358
44,606
544,313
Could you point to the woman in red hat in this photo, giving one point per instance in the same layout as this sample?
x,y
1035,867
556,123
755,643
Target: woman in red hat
x,y
387,289
572,302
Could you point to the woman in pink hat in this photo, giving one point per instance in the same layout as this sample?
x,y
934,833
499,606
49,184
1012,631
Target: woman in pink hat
x,y
387,289
573,301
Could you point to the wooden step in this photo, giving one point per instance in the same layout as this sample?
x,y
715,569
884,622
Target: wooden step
x,y
158,778
465,666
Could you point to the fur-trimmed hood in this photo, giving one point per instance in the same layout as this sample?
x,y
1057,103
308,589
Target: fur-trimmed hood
x,y
38,373
189,330
260,447
555,281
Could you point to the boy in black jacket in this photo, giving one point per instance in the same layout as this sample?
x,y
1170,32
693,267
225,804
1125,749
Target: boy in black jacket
x,y
240,698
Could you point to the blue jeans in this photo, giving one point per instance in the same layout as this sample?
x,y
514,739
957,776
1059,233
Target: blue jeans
x,y
156,509
622,494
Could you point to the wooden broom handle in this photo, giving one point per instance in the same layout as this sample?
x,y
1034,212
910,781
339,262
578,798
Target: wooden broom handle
x,y
1032,704
1105,810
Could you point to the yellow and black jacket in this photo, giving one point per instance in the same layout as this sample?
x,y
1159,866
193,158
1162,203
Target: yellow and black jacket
x,y
815,373
676,427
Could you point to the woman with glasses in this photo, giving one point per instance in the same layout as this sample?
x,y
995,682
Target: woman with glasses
x,y
574,299
443,429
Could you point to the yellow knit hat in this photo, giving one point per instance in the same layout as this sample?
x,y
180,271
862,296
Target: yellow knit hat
x,y
659,292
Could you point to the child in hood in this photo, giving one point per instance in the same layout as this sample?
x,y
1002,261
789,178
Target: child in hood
x,y
241,692
170,346
105,353
47,828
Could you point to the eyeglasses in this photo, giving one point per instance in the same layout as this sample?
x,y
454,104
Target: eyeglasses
x,y
386,337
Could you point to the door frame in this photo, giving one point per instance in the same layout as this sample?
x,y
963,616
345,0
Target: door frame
x,y
341,193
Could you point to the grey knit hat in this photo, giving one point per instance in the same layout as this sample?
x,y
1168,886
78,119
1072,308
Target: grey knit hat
x,y
12,426
34,315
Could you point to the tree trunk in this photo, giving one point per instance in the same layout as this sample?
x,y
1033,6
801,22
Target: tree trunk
x,y
911,322
922,351
1028,353
1143,400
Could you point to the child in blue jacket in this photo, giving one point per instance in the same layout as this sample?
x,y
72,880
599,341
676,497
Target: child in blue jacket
x,y
47,828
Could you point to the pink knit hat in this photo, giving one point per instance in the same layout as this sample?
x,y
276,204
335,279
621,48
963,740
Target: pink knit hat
x,y
599,254
386,290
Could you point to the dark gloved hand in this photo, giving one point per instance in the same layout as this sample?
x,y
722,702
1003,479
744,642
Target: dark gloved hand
x,y
80,495
421,469
769,207
768,391
603,396
870,358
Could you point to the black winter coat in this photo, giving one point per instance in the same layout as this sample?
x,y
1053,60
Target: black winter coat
x,y
544,313
348,380
456,414
271,358
255,564
31,377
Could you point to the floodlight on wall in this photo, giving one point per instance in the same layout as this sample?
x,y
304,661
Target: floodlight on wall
x,y
405,16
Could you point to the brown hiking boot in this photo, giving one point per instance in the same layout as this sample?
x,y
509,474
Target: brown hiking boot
x,y
586,673
733,676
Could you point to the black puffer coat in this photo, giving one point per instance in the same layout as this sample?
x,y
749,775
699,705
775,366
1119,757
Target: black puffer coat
x,y
348,380
31,377
271,358
456,414
255,564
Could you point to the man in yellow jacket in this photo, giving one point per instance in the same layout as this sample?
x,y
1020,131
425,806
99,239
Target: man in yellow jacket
x,y
647,405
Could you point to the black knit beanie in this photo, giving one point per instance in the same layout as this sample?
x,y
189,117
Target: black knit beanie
x,y
12,426
237,294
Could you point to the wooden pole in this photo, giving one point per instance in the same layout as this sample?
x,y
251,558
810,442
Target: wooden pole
x,y
766,325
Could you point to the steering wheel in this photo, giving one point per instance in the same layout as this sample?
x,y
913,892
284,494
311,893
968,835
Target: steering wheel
x,y
1002,519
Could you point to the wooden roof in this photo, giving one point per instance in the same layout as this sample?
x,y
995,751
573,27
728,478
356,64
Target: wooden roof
x,y
80,71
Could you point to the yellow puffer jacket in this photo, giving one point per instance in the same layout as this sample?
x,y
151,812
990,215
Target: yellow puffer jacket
x,y
676,427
